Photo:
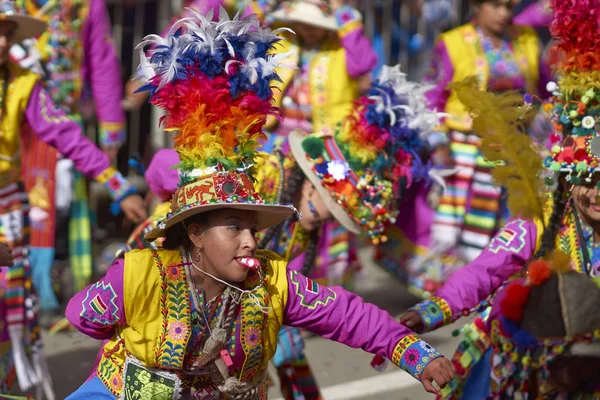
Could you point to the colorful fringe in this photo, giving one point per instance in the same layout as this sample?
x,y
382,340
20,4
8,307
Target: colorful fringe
x,y
80,241
297,380
16,286
470,209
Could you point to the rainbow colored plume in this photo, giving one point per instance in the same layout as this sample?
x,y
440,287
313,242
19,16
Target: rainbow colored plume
x,y
213,80
387,130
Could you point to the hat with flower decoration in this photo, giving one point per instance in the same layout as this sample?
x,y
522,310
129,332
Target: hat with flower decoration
x,y
362,168
212,79
575,105
315,13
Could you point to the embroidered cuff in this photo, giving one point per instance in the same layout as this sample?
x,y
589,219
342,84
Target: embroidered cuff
x,y
348,20
112,133
434,312
118,187
413,355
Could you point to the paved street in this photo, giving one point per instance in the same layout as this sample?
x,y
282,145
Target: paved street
x,y
343,373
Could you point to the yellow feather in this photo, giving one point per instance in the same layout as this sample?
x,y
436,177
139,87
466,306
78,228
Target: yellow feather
x,y
500,123
560,262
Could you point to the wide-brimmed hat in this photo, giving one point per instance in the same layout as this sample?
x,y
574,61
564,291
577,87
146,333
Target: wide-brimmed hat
x,y
362,169
212,78
311,12
27,26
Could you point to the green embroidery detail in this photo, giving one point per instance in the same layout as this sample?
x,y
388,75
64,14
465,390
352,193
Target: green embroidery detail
x,y
313,288
175,311
142,384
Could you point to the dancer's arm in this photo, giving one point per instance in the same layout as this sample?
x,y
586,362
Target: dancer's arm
x,y
505,256
336,314
99,308
439,75
102,71
54,127
360,55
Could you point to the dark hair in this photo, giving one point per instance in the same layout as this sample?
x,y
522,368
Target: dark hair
x,y
177,235
548,242
292,185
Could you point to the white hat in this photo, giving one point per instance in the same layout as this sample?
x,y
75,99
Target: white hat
x,y
310,12
27,27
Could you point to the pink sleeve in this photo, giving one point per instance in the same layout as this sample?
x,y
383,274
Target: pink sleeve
x,y
537,15
439,75
505,256
360,55
98,308
52,126
335,314
104,74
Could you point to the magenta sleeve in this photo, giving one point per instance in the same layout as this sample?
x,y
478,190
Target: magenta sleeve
x,y
505,256
439,74
336,314
537,15
360,55
97,309
104,75
52,126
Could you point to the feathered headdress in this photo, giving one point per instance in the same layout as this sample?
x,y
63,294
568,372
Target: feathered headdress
x,y
212,79
575,107
373,155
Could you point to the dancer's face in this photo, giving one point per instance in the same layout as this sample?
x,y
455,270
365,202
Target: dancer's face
x,y
7,30
494,16
313,208
587,199
227,236
309,35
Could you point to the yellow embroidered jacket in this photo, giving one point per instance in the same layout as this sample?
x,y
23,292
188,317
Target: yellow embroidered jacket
x,y
142,306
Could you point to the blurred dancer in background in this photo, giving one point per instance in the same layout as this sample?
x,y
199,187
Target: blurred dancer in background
x,y
446,233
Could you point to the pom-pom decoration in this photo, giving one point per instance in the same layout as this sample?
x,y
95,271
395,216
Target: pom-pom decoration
x,y
538,272
515,298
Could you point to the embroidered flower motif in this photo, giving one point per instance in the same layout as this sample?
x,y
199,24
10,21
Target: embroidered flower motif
x,y
252,337
588,122
426,347
411,357
338,169
114,183
174,272
116,383
178,330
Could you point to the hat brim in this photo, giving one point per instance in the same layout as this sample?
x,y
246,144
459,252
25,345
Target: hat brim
x,y
27,27
323,22
268,215
295,140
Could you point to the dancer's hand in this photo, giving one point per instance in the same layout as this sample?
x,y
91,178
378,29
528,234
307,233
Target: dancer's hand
x,y
335,4
6,256
134,208
412,320
441,371
132,100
